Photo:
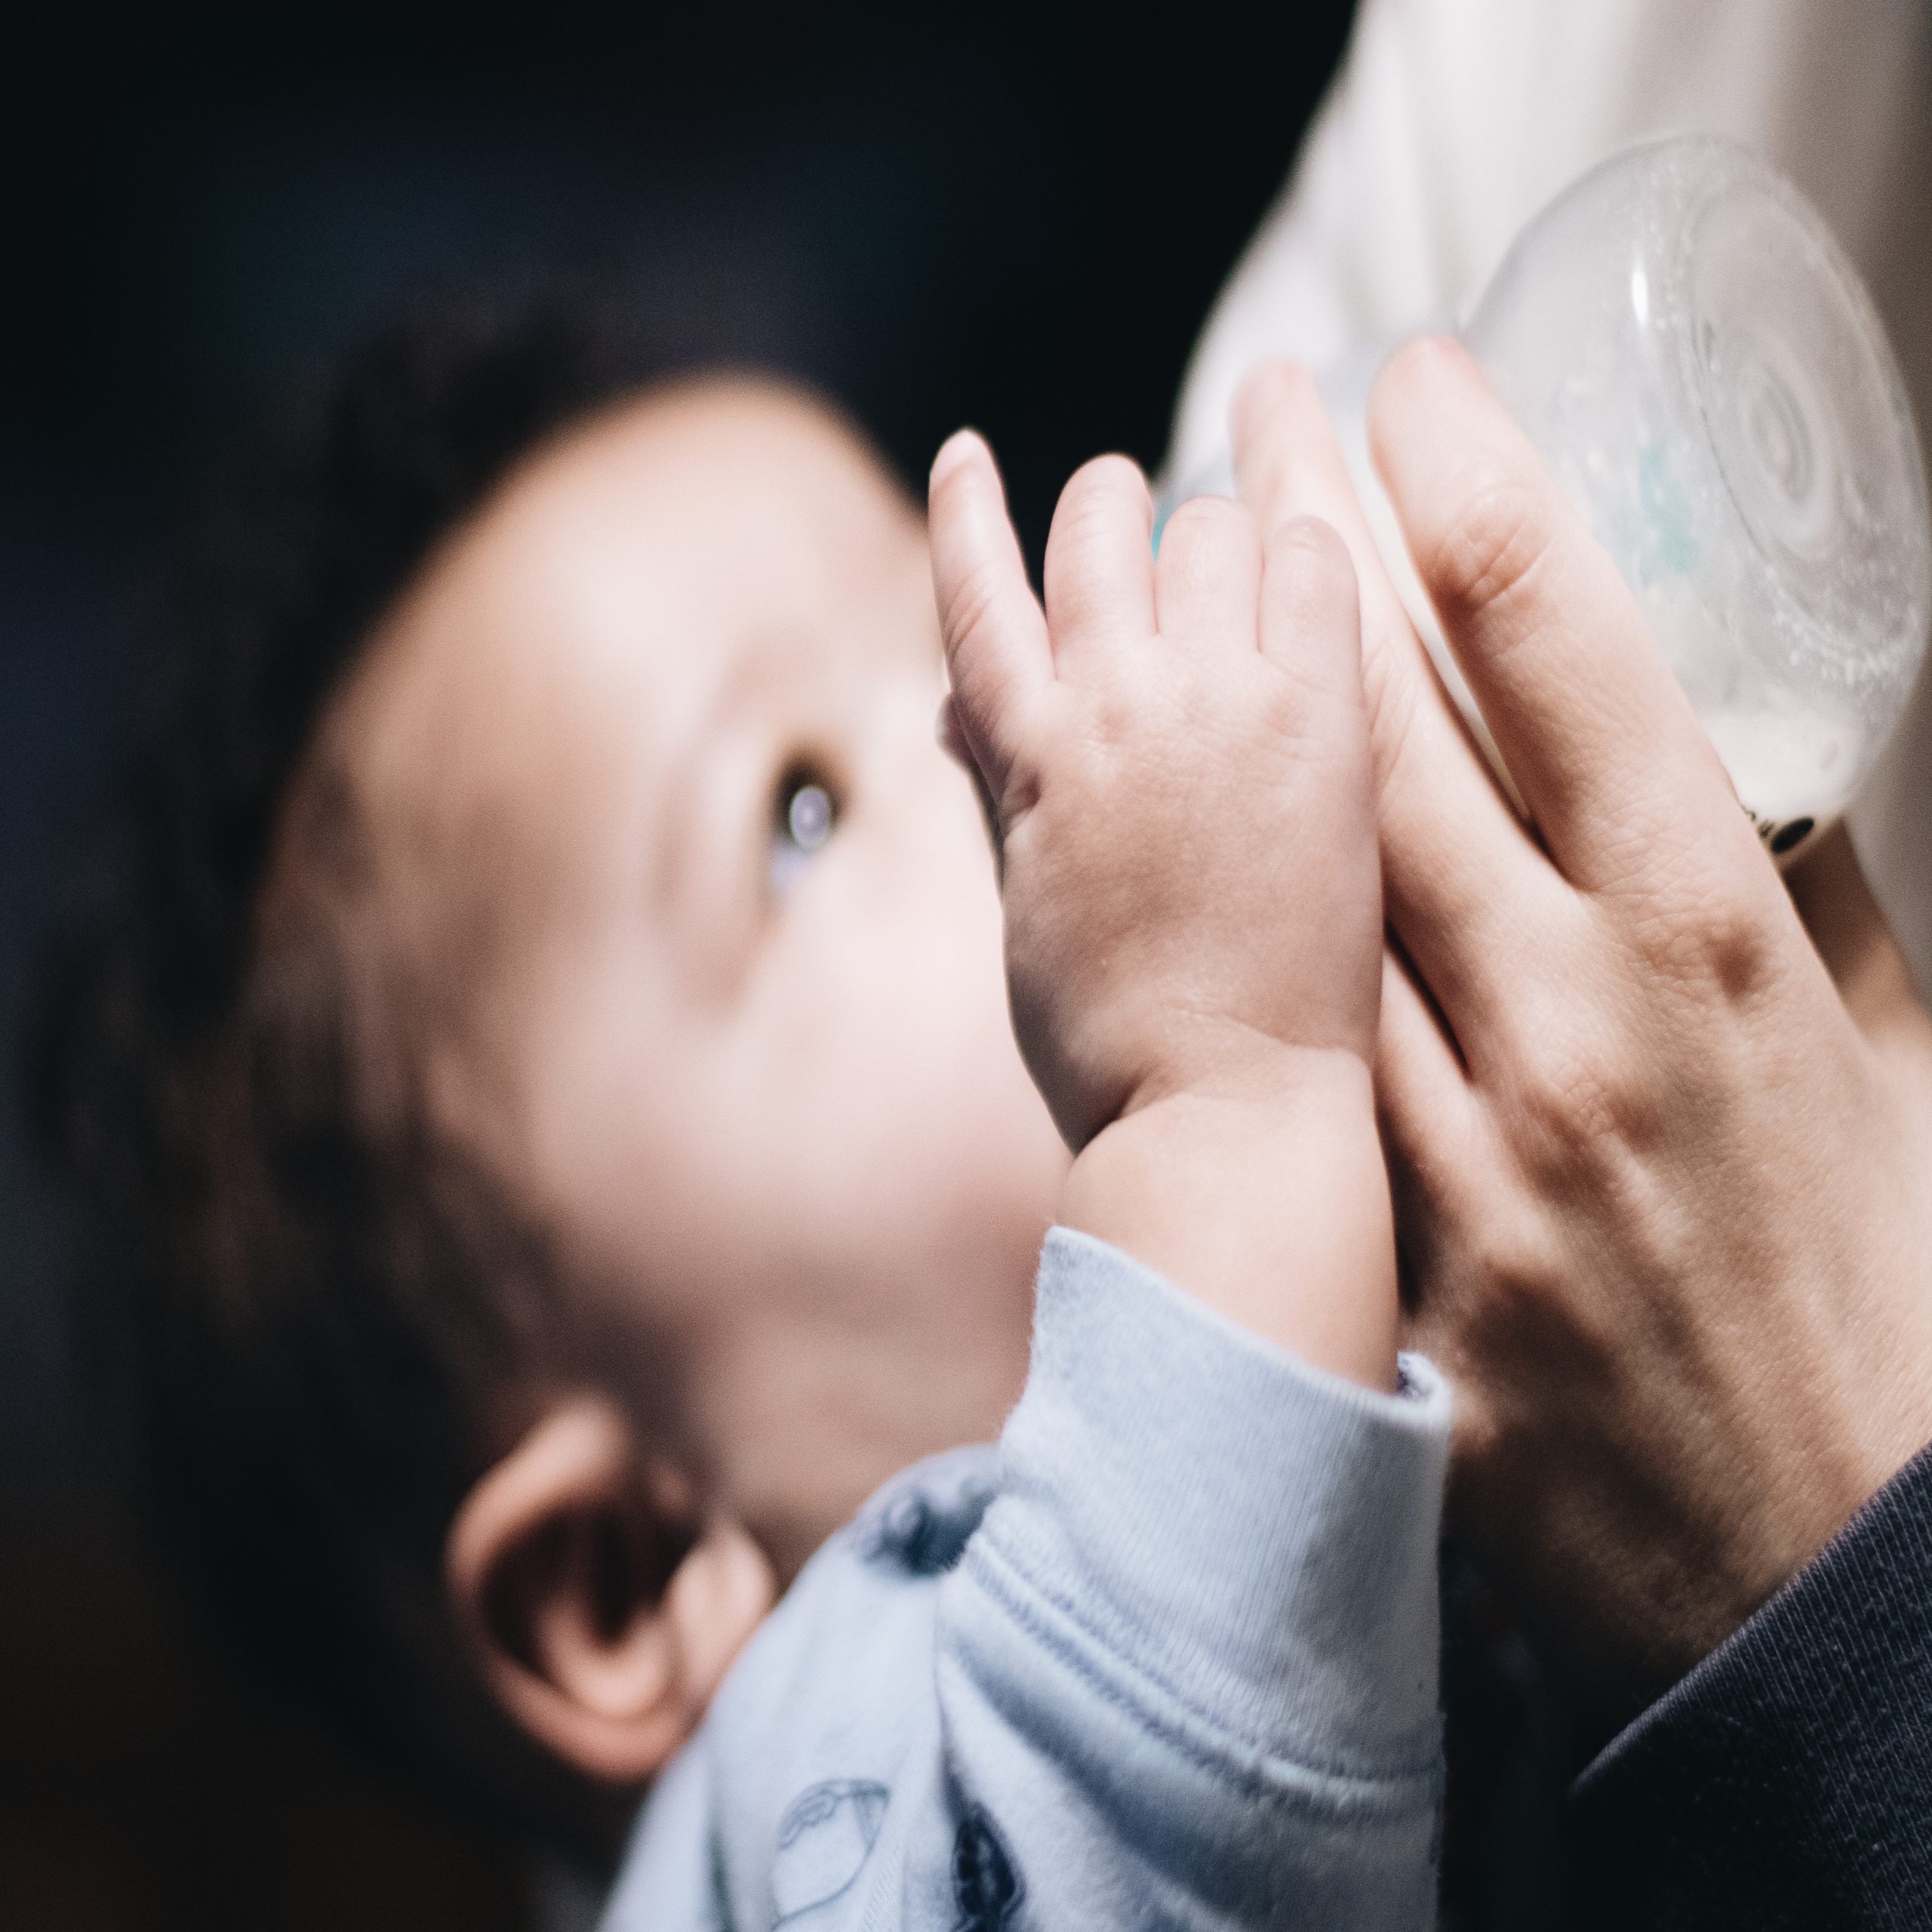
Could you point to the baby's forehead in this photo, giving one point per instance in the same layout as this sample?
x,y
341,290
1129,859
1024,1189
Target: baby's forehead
x,y
633,552
670,529
576,628
744,452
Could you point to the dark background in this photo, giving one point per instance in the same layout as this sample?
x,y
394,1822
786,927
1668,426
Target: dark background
x,y
1014,216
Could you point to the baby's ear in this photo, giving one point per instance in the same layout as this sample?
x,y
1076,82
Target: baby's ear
x,y
601,1613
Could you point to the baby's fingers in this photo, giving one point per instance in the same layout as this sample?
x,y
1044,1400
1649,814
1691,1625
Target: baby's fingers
x,y
1100,569
1311,611
997,653
1207,577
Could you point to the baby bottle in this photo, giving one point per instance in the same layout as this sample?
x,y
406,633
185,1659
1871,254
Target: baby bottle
x,y
1700,367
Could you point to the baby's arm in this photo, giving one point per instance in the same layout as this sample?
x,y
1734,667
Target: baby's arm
x,y
1186,1667
1176,754
1168,1658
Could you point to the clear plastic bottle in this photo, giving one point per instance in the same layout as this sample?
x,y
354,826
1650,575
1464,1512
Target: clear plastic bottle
x,y
1701,367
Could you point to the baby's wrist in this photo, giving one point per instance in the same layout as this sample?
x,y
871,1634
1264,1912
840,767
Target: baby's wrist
x,y
1260,1190
1240,1069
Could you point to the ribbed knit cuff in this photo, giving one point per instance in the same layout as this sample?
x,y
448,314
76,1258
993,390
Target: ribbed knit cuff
x,y
1257,1535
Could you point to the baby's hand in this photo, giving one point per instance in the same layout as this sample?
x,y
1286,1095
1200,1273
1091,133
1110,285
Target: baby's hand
x,y
1176,754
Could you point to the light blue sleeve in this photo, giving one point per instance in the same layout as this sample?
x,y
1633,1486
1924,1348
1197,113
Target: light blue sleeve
x,y
1167,1658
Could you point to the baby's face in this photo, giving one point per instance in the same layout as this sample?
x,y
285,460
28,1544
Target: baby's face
x,y
756,1073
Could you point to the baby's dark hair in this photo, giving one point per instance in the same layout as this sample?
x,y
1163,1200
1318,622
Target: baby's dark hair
x,y
320,1315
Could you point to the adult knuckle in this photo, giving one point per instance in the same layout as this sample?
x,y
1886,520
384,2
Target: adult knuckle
x,y
1710,938
1392,698
1487,556
1577,1097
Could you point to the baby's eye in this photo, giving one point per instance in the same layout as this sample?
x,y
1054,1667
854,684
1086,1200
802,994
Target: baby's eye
x,y
803,816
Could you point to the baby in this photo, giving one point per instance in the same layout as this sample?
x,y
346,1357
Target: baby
x,y
556,1144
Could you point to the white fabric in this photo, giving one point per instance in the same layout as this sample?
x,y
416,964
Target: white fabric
x,y
1453,121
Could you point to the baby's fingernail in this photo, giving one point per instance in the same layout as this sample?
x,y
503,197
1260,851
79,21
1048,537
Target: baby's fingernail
x,y
953,452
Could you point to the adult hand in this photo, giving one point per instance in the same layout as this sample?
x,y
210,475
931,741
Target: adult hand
x,y
1665,1210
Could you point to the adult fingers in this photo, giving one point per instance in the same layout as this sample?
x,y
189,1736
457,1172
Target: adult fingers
x,y
1602,743
1422,1093
1100,569
997,653
1436,1134
1207,577
1461,881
